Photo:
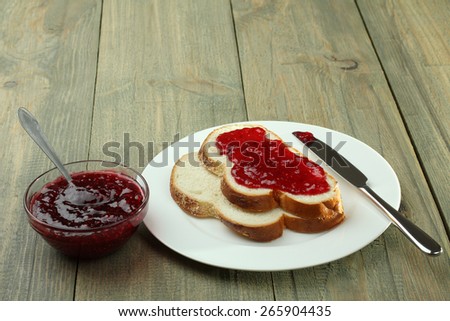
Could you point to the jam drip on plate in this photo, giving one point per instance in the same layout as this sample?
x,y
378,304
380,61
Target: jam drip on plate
x,y
260,162
92,199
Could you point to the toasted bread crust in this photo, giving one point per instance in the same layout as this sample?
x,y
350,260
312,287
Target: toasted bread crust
x,y
256,203
258,233
215,167
314,225
308,210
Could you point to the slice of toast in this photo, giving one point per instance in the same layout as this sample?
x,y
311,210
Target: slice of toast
x,y
264,199
197,191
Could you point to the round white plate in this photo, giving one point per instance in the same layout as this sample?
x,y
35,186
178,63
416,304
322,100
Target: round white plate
x,y
209,241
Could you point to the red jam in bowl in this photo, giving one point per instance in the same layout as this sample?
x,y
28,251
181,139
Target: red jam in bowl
x,y
260,162
90,217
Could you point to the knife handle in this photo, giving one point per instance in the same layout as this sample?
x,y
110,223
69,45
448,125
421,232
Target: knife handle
x,y
418,237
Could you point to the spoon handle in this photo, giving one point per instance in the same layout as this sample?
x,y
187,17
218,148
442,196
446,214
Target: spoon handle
x,y
31,126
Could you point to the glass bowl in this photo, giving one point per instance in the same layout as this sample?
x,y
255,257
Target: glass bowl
x,y
99,224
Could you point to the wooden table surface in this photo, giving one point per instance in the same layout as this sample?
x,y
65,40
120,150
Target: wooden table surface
x,y
145,72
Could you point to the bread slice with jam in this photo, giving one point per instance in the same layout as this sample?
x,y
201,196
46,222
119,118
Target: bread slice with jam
x,y
259,172
198,192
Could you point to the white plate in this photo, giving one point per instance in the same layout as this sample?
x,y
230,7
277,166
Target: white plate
x,y
210,242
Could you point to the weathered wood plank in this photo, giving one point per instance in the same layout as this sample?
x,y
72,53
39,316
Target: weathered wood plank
x,y
171,69
313,62
48,55
412,40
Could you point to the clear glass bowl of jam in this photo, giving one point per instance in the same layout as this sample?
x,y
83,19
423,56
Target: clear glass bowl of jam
x,y
92,216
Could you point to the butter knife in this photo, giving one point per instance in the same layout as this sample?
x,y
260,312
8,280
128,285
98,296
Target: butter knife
x,y
355,177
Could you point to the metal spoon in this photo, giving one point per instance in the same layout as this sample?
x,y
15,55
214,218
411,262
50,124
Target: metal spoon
x,y
31,126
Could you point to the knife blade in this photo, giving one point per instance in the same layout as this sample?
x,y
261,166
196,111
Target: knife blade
x,y
354,176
